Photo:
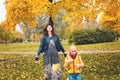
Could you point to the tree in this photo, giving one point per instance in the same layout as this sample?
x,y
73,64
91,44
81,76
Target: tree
x,y
23,11
111,16
29,10
7,35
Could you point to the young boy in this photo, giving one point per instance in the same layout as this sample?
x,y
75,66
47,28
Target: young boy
x,y
73,63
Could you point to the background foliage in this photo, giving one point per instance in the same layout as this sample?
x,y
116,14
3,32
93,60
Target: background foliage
x,y
98,35
76,13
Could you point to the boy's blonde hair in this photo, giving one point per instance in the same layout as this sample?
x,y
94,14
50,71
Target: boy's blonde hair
x,y
73,48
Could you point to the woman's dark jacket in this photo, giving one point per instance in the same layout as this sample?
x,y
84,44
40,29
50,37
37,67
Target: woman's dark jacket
x,y
45,44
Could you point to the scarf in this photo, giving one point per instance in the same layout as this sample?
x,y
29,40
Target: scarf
x,y
73,56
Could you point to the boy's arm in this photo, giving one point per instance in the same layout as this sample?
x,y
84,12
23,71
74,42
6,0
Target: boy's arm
x,y
66,64
81,62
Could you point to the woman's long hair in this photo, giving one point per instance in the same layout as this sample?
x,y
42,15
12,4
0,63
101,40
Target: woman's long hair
x,y
45,32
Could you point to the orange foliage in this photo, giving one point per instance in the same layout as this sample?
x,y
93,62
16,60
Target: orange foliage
x,y
28,10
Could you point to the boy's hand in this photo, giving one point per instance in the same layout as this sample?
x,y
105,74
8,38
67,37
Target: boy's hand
x,y
78,65
69,60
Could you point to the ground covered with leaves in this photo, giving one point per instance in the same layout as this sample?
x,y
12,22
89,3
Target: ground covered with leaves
x,y
102,66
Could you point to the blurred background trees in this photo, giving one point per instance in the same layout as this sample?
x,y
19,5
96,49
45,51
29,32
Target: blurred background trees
x,y
67,15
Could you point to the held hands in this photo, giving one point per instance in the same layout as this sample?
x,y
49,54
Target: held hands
x,y
65,54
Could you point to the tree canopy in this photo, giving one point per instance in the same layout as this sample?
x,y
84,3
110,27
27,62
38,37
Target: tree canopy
x,y
28,11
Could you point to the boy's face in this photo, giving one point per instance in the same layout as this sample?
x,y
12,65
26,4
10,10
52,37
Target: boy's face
x,y
73,50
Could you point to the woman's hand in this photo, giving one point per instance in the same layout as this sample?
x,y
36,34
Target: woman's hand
x,y
36,59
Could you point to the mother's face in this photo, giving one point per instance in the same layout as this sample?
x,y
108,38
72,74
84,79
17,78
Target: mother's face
x,y
49,28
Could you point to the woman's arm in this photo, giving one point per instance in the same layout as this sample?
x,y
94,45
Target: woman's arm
x,y
40,49
66,63
60,45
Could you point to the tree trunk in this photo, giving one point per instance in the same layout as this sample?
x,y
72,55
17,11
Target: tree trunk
x,y
6,41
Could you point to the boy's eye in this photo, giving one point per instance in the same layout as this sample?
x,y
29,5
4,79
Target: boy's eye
x,y
73,51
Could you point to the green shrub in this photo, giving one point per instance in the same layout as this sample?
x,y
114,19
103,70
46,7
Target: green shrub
x,y
87,36
17,40
105,35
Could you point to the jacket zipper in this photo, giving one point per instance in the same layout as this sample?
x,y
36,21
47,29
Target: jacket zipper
x,y
73,67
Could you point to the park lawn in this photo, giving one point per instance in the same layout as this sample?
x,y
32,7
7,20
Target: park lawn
x,y
33,47
20,47
107,46
102,66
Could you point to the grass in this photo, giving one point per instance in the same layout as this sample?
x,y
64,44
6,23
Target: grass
x,y
33,47
104,66
19,47
107,46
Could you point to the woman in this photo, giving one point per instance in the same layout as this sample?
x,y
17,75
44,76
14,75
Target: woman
x,y
50,45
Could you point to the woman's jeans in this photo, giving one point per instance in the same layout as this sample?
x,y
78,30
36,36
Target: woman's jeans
x,y
75,77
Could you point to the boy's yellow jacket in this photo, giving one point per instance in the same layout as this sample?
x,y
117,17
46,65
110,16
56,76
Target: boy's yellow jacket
x,y
71,67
